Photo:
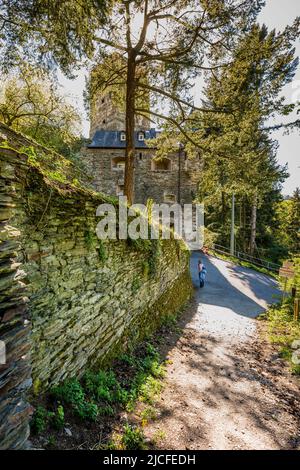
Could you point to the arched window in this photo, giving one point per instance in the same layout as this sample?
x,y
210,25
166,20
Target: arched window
x,y
163,164
118,163
122,136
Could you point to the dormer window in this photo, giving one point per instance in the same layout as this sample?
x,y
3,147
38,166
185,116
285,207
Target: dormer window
x,y
141,136
122,136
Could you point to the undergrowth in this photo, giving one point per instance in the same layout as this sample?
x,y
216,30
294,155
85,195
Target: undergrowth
x,y
135,377
245,264
283,330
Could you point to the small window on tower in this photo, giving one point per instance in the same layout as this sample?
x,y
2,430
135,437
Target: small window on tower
x,y
103,122
103,100
169,198
122,136
141,136
118,163
140,156
163,164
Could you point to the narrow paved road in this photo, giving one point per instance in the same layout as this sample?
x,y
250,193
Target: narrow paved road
x,y
231,298
216,396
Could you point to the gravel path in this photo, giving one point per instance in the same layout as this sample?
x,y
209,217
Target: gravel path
x,y
226,388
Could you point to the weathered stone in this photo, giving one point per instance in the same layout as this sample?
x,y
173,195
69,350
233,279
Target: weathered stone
x,y
82,306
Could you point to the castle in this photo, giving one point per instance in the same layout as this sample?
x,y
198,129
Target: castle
x,y
168,179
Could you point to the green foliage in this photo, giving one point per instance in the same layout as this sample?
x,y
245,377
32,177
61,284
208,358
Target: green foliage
x,y
102,251
145,268
104,392
72,393
103,386
90,239
31,103
133,438
106,410
87,411
59,418
40,420
50,32
51,441
238,154
56,176
148,414
283,330
150,389
287,233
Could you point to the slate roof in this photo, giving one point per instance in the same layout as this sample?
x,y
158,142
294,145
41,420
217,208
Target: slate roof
x,y
111,139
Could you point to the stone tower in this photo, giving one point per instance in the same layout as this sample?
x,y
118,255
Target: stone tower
x,y
105,114
167,180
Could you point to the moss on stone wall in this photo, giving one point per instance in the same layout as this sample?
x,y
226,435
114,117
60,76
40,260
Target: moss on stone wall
x,y
86,299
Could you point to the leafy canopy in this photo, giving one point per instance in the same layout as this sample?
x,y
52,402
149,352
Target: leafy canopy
x,y
31,102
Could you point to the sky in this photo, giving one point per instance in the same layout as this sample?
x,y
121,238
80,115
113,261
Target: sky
x,y
276,14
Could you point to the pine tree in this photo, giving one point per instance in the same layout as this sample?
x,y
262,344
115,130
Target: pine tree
x,y
239,155
294,222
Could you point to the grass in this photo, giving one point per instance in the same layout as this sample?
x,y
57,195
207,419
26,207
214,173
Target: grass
x,y
245,264
283,330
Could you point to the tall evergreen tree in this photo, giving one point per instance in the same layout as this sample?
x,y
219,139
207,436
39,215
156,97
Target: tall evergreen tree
x,y
239,155
294,222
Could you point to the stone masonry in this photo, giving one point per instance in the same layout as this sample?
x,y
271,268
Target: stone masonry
x,y
168,180
68,301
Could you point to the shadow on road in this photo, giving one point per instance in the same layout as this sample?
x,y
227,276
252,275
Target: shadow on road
x,y
239,289
216,396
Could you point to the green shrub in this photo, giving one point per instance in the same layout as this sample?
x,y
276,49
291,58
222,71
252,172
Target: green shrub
x,y
72,393
133,438
87,410
59,418
106,410
40,420
104,386
283,330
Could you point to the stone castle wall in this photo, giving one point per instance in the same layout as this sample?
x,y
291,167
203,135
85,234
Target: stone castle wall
x,y
67,300
149,183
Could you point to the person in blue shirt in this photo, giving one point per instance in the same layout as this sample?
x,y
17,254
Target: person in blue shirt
x,y
202,272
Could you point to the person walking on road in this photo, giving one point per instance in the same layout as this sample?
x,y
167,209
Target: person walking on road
x,y
202,273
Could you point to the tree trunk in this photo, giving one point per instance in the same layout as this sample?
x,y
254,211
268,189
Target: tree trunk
x,y
224,209
253,226
130,121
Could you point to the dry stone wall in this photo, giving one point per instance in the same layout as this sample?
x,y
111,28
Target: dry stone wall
x,y
67,300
